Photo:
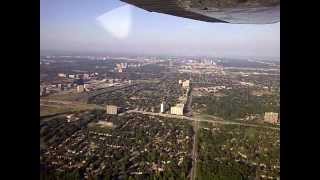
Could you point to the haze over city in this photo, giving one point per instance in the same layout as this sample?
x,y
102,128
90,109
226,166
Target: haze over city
x,y
75,26
126,94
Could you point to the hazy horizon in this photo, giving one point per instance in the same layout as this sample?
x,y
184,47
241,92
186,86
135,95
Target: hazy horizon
x,y
110,27
113,54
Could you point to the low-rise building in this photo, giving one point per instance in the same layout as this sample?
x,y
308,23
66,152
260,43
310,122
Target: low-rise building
x,y
246,84
111,109
178,109
62,75
72,76
186,83
86,76
86,87
80,88
271,117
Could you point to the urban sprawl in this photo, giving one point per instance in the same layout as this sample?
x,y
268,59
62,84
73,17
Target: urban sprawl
x,y
159,118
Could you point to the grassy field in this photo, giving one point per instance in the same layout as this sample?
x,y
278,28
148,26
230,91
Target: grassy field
x,y
49,107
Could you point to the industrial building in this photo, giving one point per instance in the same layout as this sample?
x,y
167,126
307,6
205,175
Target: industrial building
x,y
178,109
271,117
112,109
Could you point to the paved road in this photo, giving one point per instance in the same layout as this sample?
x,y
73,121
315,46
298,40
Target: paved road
x,y
189,104
194,151
203,120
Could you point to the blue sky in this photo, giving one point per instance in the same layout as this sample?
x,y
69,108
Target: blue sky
x,y
72,25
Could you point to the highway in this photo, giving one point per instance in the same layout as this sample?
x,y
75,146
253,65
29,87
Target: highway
x,y
90,106
195,122
203,120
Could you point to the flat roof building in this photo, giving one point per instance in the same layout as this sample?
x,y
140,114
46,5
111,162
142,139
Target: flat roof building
x,y
86,76
178,109
80,88
186,83
62,75
72,76
271,117
111,109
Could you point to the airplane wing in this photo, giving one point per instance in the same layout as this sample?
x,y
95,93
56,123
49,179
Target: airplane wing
x,y
216,11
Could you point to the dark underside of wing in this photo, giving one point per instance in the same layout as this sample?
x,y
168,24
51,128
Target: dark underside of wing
x,y
170,7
